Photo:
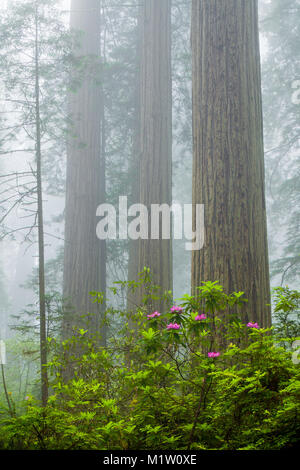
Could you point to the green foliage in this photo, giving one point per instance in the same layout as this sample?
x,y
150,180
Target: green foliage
x,y
20,47
287,314
21,378
156,387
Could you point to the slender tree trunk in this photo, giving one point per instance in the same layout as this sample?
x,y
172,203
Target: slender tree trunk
x,y
102,195
9,404
228,168
42,303
85,257
155,135
134,169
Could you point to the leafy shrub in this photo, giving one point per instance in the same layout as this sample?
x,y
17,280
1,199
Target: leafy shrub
x,y
189,378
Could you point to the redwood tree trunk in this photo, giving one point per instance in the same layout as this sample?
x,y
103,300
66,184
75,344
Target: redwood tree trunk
x,y
228,168
155,135
84,258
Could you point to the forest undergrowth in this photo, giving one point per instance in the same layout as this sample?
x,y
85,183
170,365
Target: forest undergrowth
x,y
196,376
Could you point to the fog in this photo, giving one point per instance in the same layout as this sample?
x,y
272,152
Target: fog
x,y
79,104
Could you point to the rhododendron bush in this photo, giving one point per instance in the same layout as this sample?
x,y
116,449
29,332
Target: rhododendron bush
x,y
195,376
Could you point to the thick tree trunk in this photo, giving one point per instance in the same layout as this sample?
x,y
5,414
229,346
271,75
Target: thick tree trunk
x,y
228,169
84,258
155,136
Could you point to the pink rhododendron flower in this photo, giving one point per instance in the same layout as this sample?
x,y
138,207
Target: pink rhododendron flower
x,y
213,354
252,325
153,315
173,326
176,309
200,317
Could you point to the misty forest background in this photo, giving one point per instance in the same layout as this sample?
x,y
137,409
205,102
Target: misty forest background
x,y
160,101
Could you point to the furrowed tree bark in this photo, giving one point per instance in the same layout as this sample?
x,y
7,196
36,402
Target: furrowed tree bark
x,y
85,254
228,166
155,135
